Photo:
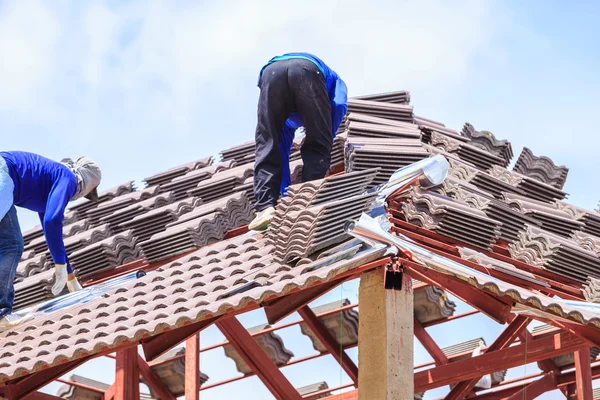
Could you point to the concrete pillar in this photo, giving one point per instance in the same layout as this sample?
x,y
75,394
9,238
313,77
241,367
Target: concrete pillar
x,y
385,339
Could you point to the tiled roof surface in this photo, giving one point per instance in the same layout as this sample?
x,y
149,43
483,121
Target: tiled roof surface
x,y
193,206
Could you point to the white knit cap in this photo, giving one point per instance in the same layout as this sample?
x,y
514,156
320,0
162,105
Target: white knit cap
x,y
88,176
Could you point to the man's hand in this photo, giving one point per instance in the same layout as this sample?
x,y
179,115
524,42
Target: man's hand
x,y
60,278
73,285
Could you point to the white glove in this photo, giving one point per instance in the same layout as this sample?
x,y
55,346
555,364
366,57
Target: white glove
x,y
74,285
60,278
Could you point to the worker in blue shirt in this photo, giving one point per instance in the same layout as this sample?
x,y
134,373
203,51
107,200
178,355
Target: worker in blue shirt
x,y
31,181
296,89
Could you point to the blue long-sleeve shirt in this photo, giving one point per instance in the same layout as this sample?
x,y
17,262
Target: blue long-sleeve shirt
x,y
46,187
338,96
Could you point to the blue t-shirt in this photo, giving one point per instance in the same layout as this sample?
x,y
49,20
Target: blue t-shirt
x,y
46,187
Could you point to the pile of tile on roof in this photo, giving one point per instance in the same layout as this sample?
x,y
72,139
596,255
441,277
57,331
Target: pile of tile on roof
x,y
397,97
512,220
152,222
546,215
118,217
342,325
487,141
555,253
482,159
224,183
206,225
587,242
304,391
270,342
449,217
399,112
541,168
483,180
245,153
79,210
590,219
172,173
105,254
172,373
591,290
34,290
567,359
464,350
182,184
32,266
312,215
432,304
529,186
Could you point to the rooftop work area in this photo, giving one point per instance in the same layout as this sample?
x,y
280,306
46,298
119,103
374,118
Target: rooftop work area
x,y
438,225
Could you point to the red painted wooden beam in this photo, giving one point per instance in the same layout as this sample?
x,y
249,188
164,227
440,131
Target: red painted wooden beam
x,y
153,381
21,387
430,345
331,344
155,346
583,374
192,368
491,306
510,333
257,359
127,380
536,388
110,393
490,362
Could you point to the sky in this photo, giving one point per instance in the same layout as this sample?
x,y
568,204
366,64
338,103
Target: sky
x,y
142,86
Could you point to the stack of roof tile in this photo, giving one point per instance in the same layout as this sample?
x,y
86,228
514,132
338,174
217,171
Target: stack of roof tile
x,y
591,290
567,359
305,391
34,290
487,141
182,184
270,342
587,241
432,304
546,215
211,224
428,127
590,219
79,210
512,220
223,183
109,207
118,217
312,215
399,112
33,233
76,227
106,254
541,168
75,242
363,153
245,153
451,218
555,253
465,350
466,151
146,225
402,130
33,266
172,173
343,325
482,180
172,373
337,150
397,97
529,186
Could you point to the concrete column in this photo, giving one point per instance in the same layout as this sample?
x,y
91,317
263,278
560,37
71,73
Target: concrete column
x,y
385,339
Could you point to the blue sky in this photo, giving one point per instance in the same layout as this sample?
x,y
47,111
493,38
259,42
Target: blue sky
x,y
142,86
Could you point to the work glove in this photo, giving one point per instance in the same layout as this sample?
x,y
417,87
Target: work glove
x,y
74,285
60,278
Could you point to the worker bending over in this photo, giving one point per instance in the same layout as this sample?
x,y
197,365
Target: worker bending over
x,y
31,181
296,89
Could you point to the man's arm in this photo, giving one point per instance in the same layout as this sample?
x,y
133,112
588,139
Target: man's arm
x,y
339,105
53,217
